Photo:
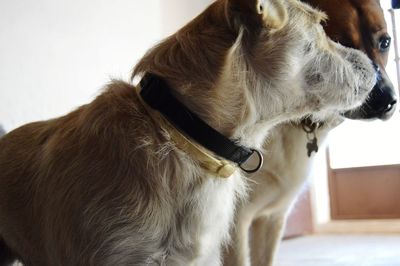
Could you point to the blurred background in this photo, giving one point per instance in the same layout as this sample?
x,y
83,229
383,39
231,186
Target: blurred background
x,y
56,55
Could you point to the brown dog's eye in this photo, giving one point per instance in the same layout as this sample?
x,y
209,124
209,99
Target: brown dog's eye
x,y
384,43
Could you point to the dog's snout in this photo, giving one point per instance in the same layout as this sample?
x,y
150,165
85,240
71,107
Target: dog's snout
x,y
382,99
379,77
367,71
380,104
386,102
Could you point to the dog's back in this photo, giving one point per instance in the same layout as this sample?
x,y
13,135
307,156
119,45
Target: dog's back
x,y
99,186
77,171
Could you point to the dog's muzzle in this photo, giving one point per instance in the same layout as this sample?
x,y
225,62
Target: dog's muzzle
x,y
381,101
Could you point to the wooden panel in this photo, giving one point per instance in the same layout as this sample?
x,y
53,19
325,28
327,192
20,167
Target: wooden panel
x,y
365,192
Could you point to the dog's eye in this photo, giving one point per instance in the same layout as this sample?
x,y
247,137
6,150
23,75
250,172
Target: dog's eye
x,y
384,43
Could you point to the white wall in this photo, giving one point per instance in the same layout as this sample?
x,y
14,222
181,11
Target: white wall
x,y
176,13
56,54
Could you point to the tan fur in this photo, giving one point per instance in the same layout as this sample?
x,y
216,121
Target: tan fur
x,y
106,184
260,221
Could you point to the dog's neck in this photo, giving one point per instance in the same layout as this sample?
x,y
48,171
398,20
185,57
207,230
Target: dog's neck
x,y
224,103
157,94
207,81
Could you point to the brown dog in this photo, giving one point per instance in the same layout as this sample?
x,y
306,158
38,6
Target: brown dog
x,y
360,24
123,181
357,24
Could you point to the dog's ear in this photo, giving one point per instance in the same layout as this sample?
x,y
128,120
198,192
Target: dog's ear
x,y
253,13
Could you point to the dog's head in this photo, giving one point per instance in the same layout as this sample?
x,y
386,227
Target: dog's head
x,y
291,67
361,25
259,62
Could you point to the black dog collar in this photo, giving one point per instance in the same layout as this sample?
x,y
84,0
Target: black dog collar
x,y
157,94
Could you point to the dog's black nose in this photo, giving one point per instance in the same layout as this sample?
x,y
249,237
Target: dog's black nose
x,y
380,104
382,101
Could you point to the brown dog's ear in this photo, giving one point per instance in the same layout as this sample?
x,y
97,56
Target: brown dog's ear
x,y
267,13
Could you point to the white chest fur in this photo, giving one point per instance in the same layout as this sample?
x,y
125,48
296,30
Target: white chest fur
x,y
215,209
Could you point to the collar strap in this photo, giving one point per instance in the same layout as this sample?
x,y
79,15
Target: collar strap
x,y
157,94
206,159
219,167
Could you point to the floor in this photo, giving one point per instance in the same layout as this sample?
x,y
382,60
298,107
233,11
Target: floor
x,y
340,250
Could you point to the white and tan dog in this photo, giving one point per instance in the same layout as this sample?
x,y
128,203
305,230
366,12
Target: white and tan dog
x,y
287,164
114,183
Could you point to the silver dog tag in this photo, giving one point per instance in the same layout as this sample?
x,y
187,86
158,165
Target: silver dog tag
x,y
312,146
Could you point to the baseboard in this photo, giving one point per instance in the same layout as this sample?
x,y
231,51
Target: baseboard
x,y
359,227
